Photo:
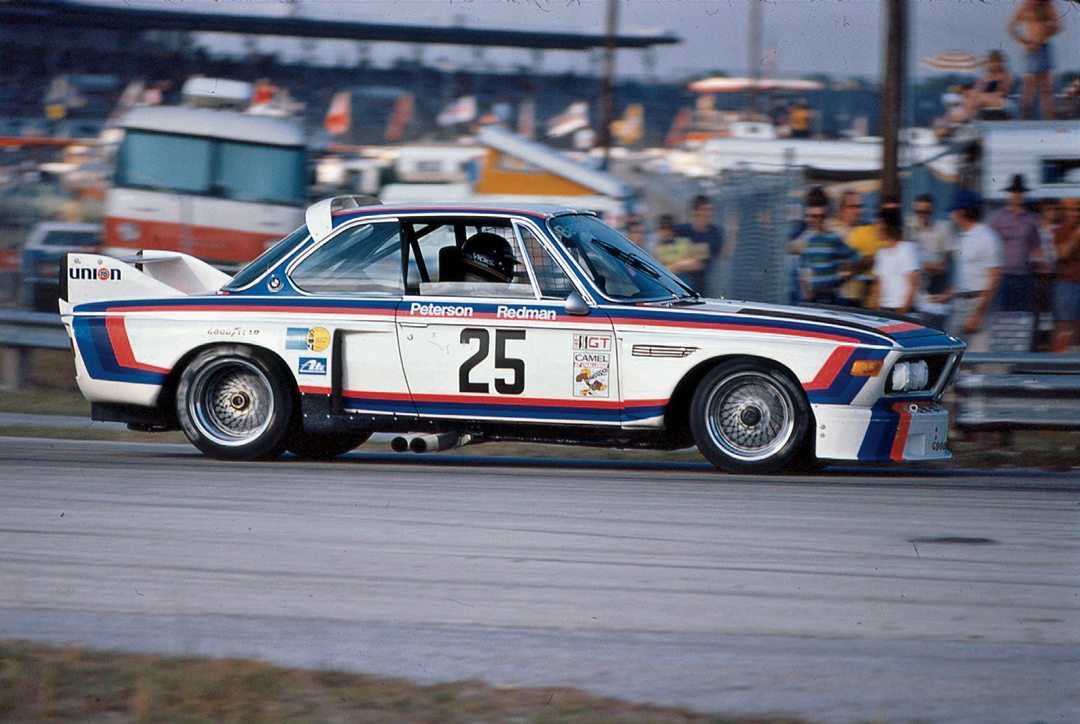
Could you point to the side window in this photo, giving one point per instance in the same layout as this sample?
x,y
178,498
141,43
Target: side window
x,y
363,259
550,276
487,263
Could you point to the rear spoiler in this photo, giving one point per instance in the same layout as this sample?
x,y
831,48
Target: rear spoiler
x,y
148,274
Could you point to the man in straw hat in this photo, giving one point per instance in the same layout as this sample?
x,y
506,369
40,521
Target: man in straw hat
x,y
1019,232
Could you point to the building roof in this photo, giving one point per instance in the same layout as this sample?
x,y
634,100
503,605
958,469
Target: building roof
x,y
65,14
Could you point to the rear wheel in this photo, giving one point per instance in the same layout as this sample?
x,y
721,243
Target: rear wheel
x,y
749,418
325,445
234,405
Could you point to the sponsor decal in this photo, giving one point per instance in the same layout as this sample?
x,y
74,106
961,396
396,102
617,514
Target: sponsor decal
x,y
505,312
231,332
439,310
313,339
591,374
101,274
312,366
592,342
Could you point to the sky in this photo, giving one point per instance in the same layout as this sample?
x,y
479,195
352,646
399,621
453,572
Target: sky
x,y
842,38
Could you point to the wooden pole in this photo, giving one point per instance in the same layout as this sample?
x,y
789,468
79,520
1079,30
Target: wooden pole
x,y
607,93
892,95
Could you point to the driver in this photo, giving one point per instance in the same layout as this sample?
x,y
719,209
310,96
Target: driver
x,y
487,257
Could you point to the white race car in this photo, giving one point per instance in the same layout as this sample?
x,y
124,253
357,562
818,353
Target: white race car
x,y
455,324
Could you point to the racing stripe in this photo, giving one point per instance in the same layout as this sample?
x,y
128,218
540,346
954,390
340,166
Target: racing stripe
x,y
100,358
121,345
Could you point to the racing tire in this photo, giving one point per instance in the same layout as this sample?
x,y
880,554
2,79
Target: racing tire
x,y
324,446
234,405
750,418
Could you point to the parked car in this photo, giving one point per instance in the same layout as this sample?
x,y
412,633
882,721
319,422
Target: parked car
x,y
455,324
41,255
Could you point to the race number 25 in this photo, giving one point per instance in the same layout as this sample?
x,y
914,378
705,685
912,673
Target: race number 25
x,y
512,384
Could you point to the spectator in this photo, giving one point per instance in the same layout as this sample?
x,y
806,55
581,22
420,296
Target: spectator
x,y
635,229
896,266
824,259
1019,232
934,241
1066,290
977,264
989,98
665,231
864,239
800,119
1032,25
1048,213
696,246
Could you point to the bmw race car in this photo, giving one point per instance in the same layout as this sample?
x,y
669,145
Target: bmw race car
x,y
450,324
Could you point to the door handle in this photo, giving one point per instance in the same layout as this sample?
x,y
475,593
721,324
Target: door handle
x,y
413,324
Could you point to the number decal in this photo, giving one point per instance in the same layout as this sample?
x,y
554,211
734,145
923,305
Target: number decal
x,y
515,385
502,362
464,383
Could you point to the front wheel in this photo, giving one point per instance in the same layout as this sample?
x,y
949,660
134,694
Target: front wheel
x,y
749,418
234,405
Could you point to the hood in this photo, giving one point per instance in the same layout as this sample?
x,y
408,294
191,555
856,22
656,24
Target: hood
x,y
895,328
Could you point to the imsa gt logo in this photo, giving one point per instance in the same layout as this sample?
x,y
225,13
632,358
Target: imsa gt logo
x,y
101,274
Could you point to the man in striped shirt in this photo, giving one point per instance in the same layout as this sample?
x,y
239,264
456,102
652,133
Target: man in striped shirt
x,y
824,259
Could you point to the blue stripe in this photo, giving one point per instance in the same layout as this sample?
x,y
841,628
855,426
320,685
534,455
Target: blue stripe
x,y
846,386
98,356
878,441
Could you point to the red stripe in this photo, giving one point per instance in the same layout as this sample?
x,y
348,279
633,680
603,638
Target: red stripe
x,y
737,328
481,399
900,327
122,346
252,308
900,441
829,371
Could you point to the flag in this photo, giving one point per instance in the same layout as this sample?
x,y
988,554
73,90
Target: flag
x,y
463,110
526,119
400,117
339,116
628,130
574,118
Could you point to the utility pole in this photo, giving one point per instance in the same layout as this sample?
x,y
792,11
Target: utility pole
x,y
607,91
755,52
892,95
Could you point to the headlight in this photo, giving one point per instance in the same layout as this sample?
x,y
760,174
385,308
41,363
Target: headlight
x,y
910,376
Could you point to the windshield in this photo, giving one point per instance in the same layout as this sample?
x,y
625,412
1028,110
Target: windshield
x,y
267,261
619,268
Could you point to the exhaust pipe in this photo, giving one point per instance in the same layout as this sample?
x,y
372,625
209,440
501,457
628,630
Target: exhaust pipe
x,y
435,443
399,444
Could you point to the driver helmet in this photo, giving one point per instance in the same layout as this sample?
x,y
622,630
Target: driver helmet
x,y
488,256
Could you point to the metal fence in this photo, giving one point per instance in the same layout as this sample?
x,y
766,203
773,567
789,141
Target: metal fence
x,y
755,211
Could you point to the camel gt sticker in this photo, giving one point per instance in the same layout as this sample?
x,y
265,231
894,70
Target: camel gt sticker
x,y
592,367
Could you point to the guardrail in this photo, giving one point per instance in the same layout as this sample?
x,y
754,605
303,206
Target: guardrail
x,y
995,391
22,332
1018,390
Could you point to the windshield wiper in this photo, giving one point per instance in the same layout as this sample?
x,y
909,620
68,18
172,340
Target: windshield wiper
x,y
627,258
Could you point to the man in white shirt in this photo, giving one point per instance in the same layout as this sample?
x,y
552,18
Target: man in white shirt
x,y
896,267
977,261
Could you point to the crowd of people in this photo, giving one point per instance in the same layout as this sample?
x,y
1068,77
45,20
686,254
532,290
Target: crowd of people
x,y
950,274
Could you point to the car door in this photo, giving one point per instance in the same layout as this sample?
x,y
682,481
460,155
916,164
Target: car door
x,y
346,345
501,352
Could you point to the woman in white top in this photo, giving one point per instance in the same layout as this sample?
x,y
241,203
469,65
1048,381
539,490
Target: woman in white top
x,y
896,266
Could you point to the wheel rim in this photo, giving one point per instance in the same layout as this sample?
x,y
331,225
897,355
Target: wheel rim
x,y
749,416
231,402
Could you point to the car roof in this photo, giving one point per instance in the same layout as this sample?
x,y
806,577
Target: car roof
x,y
326,215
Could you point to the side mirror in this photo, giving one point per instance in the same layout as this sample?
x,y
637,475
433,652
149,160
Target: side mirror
x,y
576,305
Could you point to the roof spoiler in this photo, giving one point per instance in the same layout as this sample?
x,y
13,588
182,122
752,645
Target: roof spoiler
x,y
320,215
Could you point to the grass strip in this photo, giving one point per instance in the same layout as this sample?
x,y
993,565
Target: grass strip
x,y
40,683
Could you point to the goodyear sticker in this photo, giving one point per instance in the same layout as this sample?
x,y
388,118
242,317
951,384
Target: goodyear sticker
x,y
592,365
312,366
315,339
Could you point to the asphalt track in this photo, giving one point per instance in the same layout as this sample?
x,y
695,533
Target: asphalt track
x,y
932,595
